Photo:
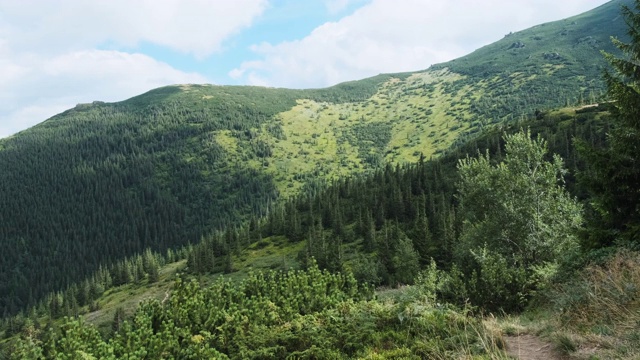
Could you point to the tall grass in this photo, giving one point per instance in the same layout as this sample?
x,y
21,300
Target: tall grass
x,y
606,294
603,305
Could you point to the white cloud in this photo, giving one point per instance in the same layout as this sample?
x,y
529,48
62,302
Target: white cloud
x,y
51,85
394,36
336,6
196,27
49,57
24,117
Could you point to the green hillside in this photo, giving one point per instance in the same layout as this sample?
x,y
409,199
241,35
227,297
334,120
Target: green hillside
x,y
546,66
360,225
518,242
103,181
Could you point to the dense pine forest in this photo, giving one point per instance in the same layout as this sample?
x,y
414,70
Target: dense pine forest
x,y
511,215
103,181
100,182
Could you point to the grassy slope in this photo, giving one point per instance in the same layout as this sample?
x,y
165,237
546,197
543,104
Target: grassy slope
x,y
277,253
357,125
294,136
539,66
269,253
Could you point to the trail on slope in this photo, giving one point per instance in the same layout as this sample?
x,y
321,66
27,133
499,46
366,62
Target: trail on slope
x,y
530,347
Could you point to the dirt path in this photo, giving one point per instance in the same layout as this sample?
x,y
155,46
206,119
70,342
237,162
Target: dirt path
x,y
530,347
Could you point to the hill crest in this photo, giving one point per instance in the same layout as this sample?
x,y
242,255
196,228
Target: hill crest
x,y
106,180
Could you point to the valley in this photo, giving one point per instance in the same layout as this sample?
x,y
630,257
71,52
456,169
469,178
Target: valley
x,y
389,217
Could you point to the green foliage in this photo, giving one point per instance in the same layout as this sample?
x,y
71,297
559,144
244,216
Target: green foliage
x,y
102,182
366,269
371,139
405,261
426,284
299,314
546,66
496,284
118,319
613,172
517,215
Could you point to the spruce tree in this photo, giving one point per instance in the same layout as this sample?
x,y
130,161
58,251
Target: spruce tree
x,y
613,172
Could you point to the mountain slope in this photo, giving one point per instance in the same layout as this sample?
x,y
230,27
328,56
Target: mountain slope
x,y
103,181
548,65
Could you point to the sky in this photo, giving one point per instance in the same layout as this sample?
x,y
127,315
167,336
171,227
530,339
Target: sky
x,y
55,54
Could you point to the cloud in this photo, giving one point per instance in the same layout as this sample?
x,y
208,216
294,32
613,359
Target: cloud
x,y
197,27
336,6
52,53
50,85
395,36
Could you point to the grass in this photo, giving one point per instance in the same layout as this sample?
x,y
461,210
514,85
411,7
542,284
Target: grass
x,y
128,296
594,316
273,253
332,140
566,344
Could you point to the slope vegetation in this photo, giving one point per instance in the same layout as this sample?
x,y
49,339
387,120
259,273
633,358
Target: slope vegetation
x,y
100,182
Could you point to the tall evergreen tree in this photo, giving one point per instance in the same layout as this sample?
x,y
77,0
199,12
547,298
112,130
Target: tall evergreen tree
x,y
613,172
421,235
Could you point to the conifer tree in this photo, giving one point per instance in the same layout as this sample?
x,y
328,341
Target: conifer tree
x,y
118,319
421,236
613,172
369,237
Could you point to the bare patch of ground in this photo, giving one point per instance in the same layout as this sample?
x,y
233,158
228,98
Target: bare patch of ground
x,y
530,347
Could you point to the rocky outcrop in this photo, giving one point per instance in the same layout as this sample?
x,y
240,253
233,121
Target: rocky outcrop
x,y
517,45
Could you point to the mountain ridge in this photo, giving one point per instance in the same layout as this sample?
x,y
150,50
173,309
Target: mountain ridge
x,y
102,181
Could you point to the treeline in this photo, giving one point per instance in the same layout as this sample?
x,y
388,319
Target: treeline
x,y
97,184
387,225
101,182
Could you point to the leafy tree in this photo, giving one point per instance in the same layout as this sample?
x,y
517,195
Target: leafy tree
x,y
517,210
613,172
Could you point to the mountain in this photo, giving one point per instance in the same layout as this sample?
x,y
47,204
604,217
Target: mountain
x,y
543,66
103,181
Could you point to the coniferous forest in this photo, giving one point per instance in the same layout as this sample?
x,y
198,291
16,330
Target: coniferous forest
x,y
401,260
